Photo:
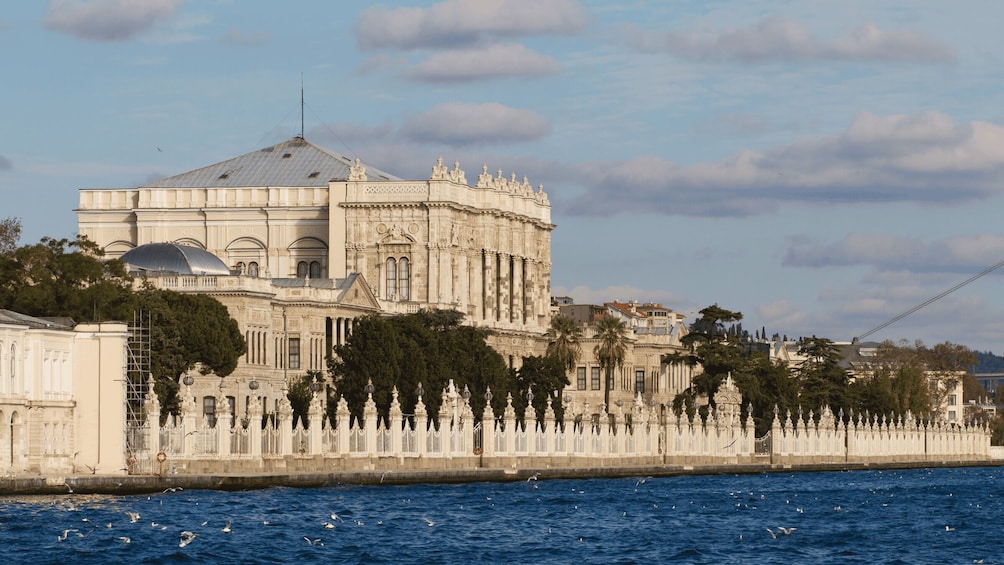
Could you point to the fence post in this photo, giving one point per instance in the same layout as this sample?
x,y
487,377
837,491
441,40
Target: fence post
x,y
254,427
370,424
189,422
395,421
284,420
152,418
343,421
488,427
315,414
421,425
550,430
510,426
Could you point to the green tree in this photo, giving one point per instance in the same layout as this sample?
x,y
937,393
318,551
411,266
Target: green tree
x,y
300,394
611,350
546,378
715,349
187,331
824,383
428,348
563,344
10,234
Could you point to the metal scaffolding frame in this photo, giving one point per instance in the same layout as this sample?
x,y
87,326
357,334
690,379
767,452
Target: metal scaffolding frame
x,y
137,373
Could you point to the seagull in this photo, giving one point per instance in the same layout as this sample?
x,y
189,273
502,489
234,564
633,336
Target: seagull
x,y
336,517
226,529
186,538
133,516
62,537
313,541
786,531
533,477
428,521
328,526
124,539
949,529
173,489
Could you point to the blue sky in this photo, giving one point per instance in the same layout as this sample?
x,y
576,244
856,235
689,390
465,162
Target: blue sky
x,y
820,167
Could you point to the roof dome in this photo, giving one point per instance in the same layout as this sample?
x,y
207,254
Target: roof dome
x,y
173,258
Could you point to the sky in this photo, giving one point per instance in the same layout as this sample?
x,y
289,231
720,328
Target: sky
x,y
821,167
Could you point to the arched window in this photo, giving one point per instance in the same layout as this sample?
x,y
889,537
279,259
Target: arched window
x,y
13,368
239,267
315,270
253,269
301,270
403,279
391,278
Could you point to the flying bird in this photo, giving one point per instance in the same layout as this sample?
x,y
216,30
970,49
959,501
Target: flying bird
x,y
186,538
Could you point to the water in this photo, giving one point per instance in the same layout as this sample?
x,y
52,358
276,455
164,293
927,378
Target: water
x,y
902,516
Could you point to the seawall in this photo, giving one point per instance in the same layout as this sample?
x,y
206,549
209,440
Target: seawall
x,y
145,484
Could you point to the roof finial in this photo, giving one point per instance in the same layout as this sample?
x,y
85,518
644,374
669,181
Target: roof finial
x,y
301,105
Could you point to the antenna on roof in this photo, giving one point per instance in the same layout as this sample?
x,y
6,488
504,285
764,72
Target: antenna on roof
x,y
301,105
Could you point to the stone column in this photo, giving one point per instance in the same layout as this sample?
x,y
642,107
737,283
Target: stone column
x,y
254,428
152,405
315,415
488,427
370,424
550,430
488,285
284,420
530,425
343,420
223,429
189,422
446,425
510,426
395,421
421,426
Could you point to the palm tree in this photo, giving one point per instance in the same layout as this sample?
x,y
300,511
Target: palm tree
x,y
611,349
564,346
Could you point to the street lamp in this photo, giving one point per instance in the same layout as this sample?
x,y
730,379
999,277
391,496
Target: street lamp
x,y
488,396
419,391
369,388
466,394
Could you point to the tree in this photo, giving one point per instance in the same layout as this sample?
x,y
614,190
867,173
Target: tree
x,y
611,349
428,348
714,348
10,234
300,394
564,335
188,331
823,382
546,378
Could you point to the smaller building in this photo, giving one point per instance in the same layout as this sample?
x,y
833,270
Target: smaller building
x,y
58,379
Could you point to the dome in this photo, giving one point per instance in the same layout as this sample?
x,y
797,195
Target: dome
x,y
173,258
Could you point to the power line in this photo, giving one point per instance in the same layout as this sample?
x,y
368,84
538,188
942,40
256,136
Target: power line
x,y
929,301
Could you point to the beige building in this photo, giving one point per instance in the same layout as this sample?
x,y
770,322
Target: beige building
x,y
62,396
653,331
307,240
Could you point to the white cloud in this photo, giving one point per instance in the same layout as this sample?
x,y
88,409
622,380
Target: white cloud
x,y
480,124
926,157
478,63
780,38
465,22
964,253
107,20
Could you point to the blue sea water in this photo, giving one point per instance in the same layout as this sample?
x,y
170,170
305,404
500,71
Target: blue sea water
x,y
902,516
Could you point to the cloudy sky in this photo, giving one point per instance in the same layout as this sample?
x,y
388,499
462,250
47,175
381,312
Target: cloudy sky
x,y
821,167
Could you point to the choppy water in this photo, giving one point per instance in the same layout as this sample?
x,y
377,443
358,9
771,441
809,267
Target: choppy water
x,y
912,516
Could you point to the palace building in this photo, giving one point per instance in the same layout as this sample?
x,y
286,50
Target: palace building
x,y
307,240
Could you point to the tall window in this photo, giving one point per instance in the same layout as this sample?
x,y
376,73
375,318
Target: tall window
x,y
232,404
253,269
294,353
391,278
403,280
239,267
315,270
580,378
301,270
595,378
639,381
209,410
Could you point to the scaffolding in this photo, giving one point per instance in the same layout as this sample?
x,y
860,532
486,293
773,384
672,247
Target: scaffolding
x,y
137,373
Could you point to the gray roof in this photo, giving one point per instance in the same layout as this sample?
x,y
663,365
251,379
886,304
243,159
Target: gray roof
x,y
18,319
173,258
293,163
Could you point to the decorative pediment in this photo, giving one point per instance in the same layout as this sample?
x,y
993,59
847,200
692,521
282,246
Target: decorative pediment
x,y
356,292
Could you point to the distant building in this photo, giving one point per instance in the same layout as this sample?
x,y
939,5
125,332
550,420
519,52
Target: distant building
x,y
652,332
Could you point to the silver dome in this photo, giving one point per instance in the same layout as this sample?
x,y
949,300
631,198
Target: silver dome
x,y
173,258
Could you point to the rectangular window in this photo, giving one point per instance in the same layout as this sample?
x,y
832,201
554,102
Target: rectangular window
x,y
294,353
581,378
951,400
209,410
595,377
639,381
232,404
